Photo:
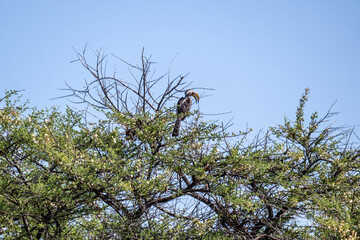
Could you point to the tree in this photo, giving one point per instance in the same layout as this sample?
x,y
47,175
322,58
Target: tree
x,y
120,174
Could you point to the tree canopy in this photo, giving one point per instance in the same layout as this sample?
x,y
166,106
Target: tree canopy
x,y
113,171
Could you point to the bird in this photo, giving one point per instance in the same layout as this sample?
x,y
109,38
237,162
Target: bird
x,y
183,107
131,132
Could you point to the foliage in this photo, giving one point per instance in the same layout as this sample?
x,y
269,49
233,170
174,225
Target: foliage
x,y
65,177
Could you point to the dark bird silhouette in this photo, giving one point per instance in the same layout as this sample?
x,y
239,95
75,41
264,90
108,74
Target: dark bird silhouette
x,y
130,133
183,108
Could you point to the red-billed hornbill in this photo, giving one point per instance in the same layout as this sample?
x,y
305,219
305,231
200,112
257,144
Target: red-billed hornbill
x,y
183,107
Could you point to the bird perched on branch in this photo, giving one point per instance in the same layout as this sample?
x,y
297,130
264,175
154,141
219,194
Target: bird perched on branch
x,y
131,132
183,107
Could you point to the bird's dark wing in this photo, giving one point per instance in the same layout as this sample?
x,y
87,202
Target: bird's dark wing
x,y
178,109
183,107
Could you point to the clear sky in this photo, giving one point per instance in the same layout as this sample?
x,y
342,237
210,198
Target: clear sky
x,y
258,55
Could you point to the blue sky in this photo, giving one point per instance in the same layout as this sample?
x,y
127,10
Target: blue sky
x,y
258,55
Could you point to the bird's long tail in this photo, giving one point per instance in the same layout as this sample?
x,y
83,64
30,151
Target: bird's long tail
x,y
176,130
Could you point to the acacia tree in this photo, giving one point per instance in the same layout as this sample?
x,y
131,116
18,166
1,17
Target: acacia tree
x,y
122,176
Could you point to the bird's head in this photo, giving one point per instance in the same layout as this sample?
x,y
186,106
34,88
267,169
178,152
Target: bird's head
x,y
191,92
